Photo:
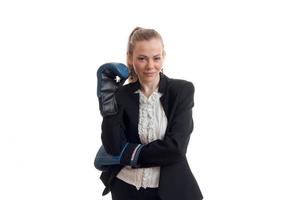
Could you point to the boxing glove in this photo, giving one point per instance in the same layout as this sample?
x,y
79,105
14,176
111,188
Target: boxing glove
x,y
111,76
128,156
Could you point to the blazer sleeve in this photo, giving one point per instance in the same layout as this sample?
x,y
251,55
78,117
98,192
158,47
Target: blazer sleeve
x,y
112,135
174,145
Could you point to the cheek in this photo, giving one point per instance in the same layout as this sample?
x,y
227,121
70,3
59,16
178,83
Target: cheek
x,y
137,67
158,66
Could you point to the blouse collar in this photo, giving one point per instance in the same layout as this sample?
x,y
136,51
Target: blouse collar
x,y
161,85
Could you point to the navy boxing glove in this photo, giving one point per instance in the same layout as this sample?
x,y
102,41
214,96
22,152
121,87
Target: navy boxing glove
x,y
128,156
108,84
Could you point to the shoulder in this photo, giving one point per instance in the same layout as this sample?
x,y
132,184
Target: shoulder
x,y
181,91
180,86
126,90
129,87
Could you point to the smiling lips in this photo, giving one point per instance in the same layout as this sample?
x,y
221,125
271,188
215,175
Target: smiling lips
x,y
149,73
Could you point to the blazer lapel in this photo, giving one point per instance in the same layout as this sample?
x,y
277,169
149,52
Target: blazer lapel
x,y
163,89
134,110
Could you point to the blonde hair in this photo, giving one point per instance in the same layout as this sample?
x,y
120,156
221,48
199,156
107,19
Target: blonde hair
x,y
139,34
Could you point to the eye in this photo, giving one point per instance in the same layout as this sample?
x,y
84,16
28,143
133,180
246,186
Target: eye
x,y
157,58
141,58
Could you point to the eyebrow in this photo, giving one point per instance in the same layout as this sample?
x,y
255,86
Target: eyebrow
x,y
141,55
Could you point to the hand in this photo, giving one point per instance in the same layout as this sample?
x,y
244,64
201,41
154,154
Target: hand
x,y
108,84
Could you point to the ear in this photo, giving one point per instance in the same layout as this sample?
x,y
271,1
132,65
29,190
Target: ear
x,y
163,56
164,53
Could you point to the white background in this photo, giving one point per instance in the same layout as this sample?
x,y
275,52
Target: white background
x,y
242,56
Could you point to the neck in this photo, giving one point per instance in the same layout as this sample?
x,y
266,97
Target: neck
x,y
149,88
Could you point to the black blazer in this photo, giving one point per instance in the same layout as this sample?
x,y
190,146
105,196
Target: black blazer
x,y
176,179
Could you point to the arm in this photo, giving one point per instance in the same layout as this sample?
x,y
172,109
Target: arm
x,y
115,149
173,147
107,86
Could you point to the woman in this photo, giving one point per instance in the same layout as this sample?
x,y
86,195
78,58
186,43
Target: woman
x,y
155,115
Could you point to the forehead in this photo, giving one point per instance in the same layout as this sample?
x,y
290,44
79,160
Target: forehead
x,y
153,46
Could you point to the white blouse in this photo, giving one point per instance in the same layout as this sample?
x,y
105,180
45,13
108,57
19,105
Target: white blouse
x,y
152,126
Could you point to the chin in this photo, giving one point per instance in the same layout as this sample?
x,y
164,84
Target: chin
x,y
150,78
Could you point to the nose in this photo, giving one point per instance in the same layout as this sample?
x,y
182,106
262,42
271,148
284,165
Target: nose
x,y
150,64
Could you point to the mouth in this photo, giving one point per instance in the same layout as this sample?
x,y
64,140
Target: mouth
x,y
149,73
